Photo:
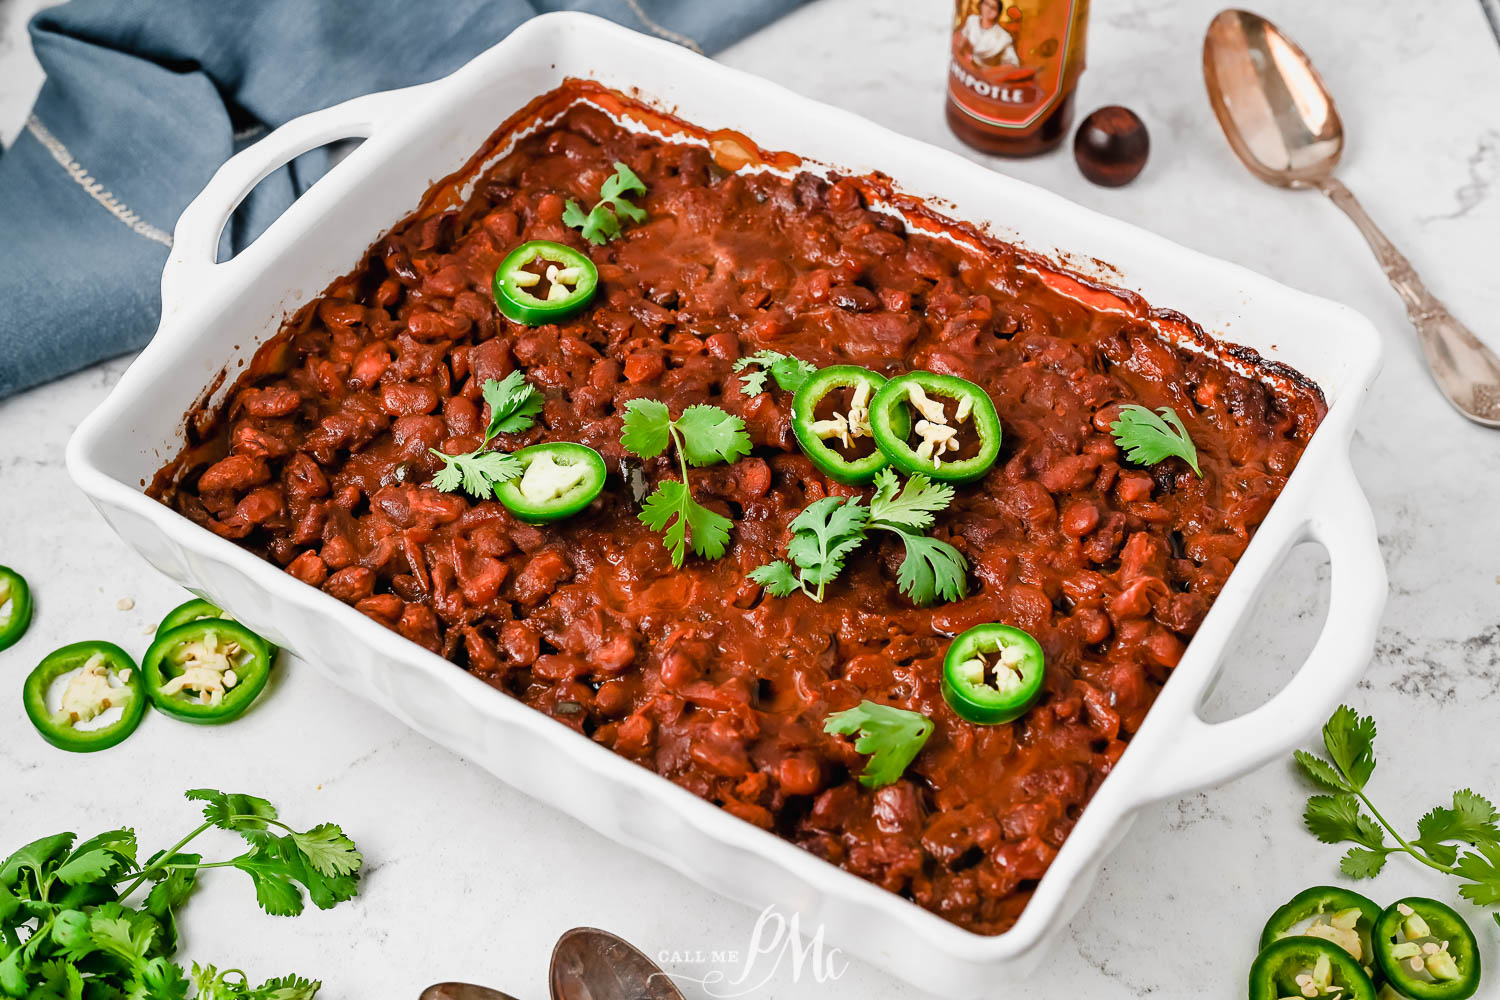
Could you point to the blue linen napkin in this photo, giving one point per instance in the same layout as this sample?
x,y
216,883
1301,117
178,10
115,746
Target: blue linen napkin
x,y
144,99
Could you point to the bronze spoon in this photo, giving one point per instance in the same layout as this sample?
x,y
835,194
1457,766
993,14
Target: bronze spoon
x,y
1282,124
590,964
462,991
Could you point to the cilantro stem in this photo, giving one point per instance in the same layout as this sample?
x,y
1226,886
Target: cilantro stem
x,y
1405,845
197,867
676,436
143,874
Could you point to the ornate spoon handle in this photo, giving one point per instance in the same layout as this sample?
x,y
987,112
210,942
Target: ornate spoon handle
x,y
1464,369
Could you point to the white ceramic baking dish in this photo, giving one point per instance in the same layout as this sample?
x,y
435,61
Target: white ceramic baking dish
x,y
216,314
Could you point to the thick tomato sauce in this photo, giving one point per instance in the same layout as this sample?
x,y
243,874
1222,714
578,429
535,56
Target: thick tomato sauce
x,y
319,462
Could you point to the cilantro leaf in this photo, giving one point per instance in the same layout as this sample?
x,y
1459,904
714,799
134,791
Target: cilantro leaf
x,y
830,529
1472,820
125,936
285,988
574,217
789,372
1336,818
1361,862
38,858
709,435
602,224
751,383
708,532
328,850
232,985
13,975
477,472
514,404
1149,438
10,905
234,812
450,477
916,504
684,522
275,891
777,577
1320,772
891,736
647,427
1350,740
67,933
60,980
703,435
623,182
163,980
1482,869
170,891
831,520
70,931
98,856
823,535
931,569
321,860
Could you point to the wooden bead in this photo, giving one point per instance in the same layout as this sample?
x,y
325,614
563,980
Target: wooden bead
x,y
1111,146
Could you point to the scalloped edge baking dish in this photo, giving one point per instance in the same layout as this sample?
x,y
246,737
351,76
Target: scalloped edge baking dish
x,y
218,313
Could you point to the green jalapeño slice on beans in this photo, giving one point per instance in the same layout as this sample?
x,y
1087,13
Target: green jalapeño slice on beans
x,y
1301,966
543,282
831,418
86,696
15,607
1426,950
206,671
955,431
1345,918
557,480
992,673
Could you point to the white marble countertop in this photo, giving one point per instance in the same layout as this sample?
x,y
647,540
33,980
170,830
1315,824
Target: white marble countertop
x,y
469,880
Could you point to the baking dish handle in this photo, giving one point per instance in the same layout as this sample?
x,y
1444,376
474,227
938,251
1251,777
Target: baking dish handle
x,y
195,242
1205,753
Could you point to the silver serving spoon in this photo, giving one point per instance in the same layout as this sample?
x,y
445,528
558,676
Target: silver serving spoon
x,y
462,991
1281,122
590,964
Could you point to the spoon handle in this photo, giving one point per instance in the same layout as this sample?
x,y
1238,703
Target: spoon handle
x,y
1465,370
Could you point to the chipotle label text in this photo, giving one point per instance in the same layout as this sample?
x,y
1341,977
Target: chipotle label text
x,y
1012,62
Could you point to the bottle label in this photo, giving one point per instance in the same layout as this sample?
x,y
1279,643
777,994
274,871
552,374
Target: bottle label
x,y
1014,61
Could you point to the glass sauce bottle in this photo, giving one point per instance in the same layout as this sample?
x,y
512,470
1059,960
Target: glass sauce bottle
x,y
1013,72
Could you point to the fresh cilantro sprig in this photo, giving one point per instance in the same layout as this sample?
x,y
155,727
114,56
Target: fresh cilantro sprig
x,y
703,435
602,223
67,931
789,372
514,404
1462,840
231,984
830,529
823,536
1149,438
891,736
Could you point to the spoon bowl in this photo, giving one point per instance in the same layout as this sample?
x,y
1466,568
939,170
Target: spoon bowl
x,y
1281,122
590,964
462,991
1270,101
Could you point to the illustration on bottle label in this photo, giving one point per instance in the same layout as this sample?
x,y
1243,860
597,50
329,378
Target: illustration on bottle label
x,y
1012,62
